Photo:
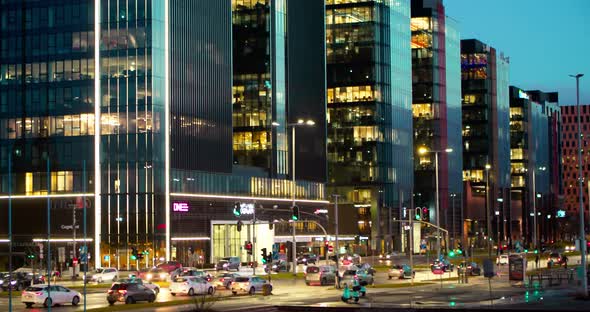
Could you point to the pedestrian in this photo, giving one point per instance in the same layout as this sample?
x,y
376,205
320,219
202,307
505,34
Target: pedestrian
x,y
345,294
537,260
565,259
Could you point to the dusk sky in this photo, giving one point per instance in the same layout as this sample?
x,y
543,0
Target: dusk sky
x,y
546,40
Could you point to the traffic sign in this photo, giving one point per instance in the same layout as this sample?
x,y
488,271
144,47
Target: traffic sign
x,y
330,248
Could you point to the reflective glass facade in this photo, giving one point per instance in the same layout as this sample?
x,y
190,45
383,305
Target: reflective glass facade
x,y
369,112
486,138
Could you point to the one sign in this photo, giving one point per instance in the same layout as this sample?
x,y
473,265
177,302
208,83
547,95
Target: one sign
x,y
69,227
61,254
561,213
180,207
488,268
246,209
107,258
321,211
330,248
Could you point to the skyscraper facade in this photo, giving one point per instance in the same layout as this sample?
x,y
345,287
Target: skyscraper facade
x,y
535,120
123,109
369,114
436,107
486,135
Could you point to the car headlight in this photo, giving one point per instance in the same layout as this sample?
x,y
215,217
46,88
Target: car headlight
x,y
274,266
12,282
388,256
304,260
149,276
225,265
1,281
162,275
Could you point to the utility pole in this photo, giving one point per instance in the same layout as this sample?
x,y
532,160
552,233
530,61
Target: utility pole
x,y
74,241
337,247
293,189
411,240
488,216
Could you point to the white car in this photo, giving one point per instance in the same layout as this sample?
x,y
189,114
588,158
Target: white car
x,y
502,259
49,295
191,286
248,284
105,275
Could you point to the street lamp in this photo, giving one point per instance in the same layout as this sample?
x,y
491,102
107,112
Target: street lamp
x,y
535,196
453,195
299,123
488,217
581,189
423,150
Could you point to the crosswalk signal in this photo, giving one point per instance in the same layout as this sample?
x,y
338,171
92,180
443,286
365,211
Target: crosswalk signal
x,y
418,214
295,213
248,247
134,253
263,256
237,209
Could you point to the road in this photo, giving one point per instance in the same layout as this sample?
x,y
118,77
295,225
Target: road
x,y
294,292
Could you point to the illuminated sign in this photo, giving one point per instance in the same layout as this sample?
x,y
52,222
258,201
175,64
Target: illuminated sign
x,y
246,209
320,211
561,213
523,95
180,207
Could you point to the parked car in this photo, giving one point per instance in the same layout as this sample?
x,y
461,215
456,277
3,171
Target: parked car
x,y
154,287
20,280
400,271
224,280
228,263
169,266
349,276
195,272
443,264
347,259
105,275
368,267
278,266
157,274
248,284
387,256
471,268
307,259
49,295
129,293
191,285
320,275
502,259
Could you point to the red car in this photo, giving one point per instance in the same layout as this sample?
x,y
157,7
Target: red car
x,y
169,266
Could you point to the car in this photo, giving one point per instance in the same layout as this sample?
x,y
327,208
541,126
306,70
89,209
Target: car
x,y
347,259
368,267
154,287
502,259
307,259
400,271
195,272
443,264
362,276
387,256
142,274
20,280
169,266
557,258
224,280
105,275
278,266
129,293
228,263
471,268
248,284
49,295
157,274
320,275
191,285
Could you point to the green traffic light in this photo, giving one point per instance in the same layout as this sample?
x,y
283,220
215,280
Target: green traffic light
x,y
459,251
536,251
133,257
418,217
451,253
294,218
526,250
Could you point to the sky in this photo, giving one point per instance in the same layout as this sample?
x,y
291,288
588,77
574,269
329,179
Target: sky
x,y
546,40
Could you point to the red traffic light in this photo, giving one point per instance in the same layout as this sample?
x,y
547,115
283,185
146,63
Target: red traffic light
x,y
248,245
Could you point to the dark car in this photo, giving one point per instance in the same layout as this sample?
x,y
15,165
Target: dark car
x,y
156,274
129,293
307,259
444,265
169,266
400,271
557,258
278,266
20,280
471,268
142,274
224,280
195,272
228,263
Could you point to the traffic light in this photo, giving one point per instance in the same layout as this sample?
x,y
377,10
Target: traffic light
x,y
263,256
239,226
295,213
237,210
451,253
418,214
326,244
248,247
134,253
425,214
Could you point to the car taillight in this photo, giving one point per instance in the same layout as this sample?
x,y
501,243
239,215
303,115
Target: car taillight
x,y
185,283
401,271
233,283
221,279
39,293
356,276
122,292
469,267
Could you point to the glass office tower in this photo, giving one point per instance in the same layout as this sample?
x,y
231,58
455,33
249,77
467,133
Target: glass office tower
x,y
437,111
369,115
486,136
124,107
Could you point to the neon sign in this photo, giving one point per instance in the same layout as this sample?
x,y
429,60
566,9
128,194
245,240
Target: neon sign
x,y
246,209
321,211
180,207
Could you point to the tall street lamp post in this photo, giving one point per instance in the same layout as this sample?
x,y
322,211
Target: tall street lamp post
x,y
535,214
299,123
581,190
488,216
423,150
